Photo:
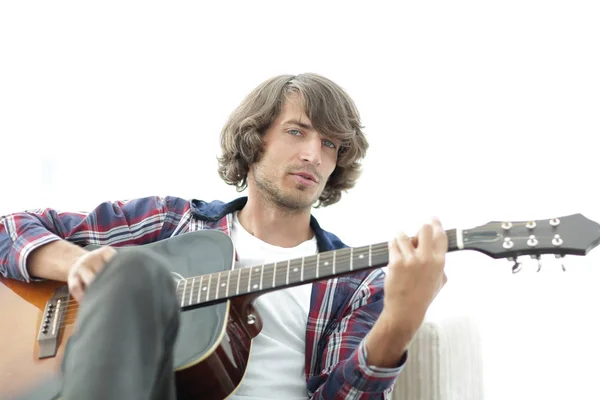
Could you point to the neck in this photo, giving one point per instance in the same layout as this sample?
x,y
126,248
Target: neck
x,y
273,225
220,286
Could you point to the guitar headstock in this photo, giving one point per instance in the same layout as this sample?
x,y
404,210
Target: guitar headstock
x,y
568,235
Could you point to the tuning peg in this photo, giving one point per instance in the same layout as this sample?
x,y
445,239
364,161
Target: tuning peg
x,y
517,266
539,261
562,261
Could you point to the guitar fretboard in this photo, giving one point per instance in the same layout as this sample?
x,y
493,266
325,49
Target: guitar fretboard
x,y
262,278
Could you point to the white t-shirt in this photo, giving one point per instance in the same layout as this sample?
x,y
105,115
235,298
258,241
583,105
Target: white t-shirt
x,y
276,366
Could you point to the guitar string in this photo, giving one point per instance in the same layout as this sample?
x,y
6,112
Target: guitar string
x,y
74,305
379,246
70,304
376,250
451,241
274,268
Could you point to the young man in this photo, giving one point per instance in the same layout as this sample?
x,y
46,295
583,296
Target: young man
x,y
294,142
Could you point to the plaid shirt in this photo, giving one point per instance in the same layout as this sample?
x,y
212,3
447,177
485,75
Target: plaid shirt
x,y
342,310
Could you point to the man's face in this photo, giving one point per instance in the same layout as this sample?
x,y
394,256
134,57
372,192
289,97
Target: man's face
x,y
297,160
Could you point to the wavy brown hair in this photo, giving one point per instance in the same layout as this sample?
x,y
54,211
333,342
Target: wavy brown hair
x,y
331,112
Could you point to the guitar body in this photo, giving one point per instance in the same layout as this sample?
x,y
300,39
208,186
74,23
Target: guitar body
x,y
21,316
212,348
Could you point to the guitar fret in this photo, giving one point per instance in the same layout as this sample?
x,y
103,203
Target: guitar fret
x,y
217,289
287,275
318,254
192,291
228,279
208,290
334,252
274,272
237,290
351,250
370,263
257,281
249,280
362,261
177,288
298,271
200,288
183,294
262,270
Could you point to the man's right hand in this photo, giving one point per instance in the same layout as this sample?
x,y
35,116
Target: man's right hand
x,y
84,270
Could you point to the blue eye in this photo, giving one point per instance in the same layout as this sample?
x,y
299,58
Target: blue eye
x,y
329,144
297,132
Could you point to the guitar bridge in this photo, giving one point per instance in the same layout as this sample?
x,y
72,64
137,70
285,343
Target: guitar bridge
x,y
52,322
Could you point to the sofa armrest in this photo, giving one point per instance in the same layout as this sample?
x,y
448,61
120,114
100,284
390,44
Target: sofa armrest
x,y
444,363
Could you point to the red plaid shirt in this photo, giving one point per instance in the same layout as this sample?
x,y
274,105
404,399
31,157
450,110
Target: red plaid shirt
x,y
342,310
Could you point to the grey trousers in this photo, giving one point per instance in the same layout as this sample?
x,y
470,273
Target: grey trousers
x,y
125,334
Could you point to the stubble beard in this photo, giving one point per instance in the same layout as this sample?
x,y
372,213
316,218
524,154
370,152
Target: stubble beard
x,y
275,196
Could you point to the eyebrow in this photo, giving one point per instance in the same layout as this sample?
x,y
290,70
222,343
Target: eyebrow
x,y
302,125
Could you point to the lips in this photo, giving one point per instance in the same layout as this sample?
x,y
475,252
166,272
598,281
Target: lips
x,y
308,176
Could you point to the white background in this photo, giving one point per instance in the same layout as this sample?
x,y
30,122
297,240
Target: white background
x,y
475,111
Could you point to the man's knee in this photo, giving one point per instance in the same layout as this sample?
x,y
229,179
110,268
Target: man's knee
x,y
141,263
142,275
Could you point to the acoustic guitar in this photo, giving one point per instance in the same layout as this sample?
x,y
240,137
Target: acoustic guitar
x,y
218,320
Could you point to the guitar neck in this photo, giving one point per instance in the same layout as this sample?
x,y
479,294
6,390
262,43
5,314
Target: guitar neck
x,y
202,290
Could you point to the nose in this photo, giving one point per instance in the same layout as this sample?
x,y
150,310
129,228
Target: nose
x,y
311,151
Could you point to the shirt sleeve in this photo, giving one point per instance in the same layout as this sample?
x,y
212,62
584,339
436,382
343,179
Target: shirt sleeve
x,y
115,223
345,374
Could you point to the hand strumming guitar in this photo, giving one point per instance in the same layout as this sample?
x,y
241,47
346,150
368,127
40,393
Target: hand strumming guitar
x,y
67,262
83,272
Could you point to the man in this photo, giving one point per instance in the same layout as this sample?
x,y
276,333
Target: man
x,y
294,142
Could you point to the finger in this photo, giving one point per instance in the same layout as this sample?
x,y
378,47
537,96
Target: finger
x,y
97,259
393,249
425,239
407,250
415,240
107,253
75,287
440,239
86,275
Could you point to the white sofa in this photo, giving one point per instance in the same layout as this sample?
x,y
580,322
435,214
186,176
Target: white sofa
x,y
444,363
